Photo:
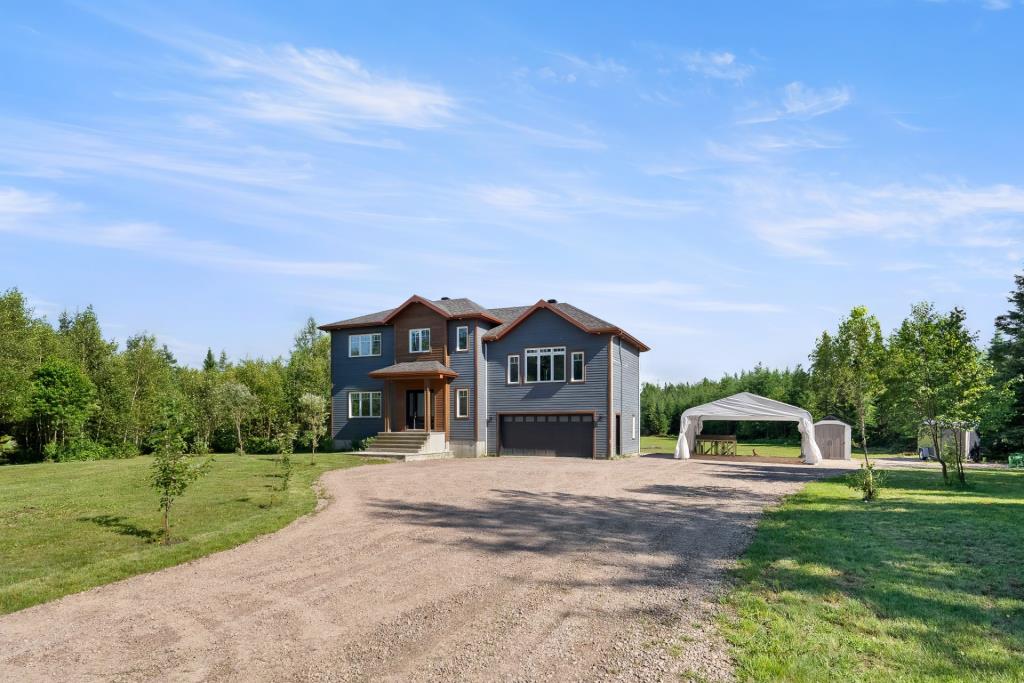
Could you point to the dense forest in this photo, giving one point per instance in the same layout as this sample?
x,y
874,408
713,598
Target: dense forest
x,y
69,393
929,370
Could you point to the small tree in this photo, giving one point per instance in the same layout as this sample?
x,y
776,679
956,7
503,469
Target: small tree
x,y
172,471
235,401
860,353
313,412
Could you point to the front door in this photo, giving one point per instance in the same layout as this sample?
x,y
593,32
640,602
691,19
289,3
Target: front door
x,y
414,405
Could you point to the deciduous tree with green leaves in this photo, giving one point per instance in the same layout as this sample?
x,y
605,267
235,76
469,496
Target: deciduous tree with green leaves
x,y
313,412
938,378
61,401
859,354
236,403
172,471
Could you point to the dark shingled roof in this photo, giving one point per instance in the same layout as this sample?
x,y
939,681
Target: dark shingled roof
x,y
467,308
420,367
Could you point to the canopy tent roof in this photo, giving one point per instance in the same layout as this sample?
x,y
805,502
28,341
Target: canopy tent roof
x,y
745,406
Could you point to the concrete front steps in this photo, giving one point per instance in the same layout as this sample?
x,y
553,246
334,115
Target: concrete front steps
x,y
409,445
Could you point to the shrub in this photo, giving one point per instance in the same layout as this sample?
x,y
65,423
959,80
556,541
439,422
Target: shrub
x,y
867,480
261,445
284,441
363,443
75,449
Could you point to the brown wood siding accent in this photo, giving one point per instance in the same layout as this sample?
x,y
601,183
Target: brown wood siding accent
x,y
417,316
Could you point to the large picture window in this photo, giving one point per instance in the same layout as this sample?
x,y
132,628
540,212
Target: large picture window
x,y
364,345
512,377
462,403
577,368
364,404
419,340
545,364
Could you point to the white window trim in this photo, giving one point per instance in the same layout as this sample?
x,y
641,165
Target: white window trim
x,y
458,403
551,351
421,330
457,330
371,335
508,369
572,364
360,394
632,428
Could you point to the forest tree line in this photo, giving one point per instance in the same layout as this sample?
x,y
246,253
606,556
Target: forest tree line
x,y
929,371
69,393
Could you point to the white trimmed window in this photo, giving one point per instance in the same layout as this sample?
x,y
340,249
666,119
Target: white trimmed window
x,y
419,340
545,364
632,428
462,338
462,403
364,404
363,345
512,375
577,368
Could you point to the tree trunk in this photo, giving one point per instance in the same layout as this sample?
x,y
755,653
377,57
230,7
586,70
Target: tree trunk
x,y
167,526
238,433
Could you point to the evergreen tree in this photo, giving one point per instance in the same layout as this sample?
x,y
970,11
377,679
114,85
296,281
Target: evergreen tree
x,y
1007,356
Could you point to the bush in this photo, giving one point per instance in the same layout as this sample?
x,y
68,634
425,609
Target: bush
x,y
867,480
363,443
74,450
121,450
284,441
260,445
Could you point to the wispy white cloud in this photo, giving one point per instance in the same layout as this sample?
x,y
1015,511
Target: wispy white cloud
x,y
718,306
801,102
905,266
997,5
721,65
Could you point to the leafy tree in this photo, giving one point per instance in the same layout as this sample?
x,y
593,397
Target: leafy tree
x,y
25,342
236,402
859,353
825,376
145,381
1007,356
172,470
62,399
313,412
937,377
309,366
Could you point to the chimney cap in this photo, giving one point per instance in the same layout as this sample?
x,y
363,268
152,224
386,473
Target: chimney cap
x,y
446,298
552,301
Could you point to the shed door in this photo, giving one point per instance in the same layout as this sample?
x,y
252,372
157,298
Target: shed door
x,y
565,435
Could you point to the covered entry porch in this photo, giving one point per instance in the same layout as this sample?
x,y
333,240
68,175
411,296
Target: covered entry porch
x,y
416,405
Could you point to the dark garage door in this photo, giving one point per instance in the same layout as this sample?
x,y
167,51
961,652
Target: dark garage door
x,y
570,435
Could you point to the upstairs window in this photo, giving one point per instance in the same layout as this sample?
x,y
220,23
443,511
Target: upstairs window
x,y
545,364
363,345
513,370
462,338
577,368
419,340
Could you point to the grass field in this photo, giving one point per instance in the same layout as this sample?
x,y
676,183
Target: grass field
x,y
926,584
667,444
65,527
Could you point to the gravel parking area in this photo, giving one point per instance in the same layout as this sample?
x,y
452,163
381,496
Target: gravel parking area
x,y
508,569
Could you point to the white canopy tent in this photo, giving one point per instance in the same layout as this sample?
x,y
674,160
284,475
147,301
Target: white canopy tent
x,y
749,407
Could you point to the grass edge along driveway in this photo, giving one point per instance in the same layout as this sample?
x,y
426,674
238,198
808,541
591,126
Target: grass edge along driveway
x,y
925,584
68,527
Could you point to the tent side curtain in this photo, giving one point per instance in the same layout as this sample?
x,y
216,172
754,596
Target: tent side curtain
x,y
752,408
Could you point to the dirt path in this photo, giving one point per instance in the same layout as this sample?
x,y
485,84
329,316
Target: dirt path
x,y
511,569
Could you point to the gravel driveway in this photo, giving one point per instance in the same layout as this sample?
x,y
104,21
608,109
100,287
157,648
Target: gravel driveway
x,y
496,569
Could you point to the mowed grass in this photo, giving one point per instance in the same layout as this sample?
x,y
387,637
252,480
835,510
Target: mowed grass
x,y
667,444
66,527
926,584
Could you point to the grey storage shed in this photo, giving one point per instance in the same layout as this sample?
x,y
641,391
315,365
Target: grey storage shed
x,y
834,438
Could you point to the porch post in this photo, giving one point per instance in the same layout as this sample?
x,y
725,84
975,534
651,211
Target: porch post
x,y
426,405
387,405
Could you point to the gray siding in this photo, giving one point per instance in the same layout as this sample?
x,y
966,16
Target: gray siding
x,y
351,374
481,382
544,328
462,363
625,393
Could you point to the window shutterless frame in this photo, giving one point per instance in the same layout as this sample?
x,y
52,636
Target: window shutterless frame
x,y
577,367
462,403
545,364
360,345
419,340
462,338
364,404
512,370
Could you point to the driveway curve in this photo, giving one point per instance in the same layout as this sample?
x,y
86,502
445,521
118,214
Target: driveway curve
x,y
496,569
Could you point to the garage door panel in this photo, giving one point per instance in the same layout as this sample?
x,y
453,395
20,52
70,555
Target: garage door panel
x,y
547,434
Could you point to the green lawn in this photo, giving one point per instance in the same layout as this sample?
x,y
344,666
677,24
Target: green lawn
x,y
65,527
926,584
667,444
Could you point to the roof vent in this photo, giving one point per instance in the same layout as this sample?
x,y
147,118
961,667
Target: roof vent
x,y
446,298
552,301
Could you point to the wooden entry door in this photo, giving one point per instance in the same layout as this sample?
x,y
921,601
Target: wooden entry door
x,y
415,404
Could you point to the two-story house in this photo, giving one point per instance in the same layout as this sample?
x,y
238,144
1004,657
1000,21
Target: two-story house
x,y
453,377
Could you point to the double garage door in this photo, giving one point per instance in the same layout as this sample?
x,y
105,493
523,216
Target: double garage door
x,y
547,434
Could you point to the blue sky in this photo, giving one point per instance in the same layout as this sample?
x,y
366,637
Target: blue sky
x,y
724,181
